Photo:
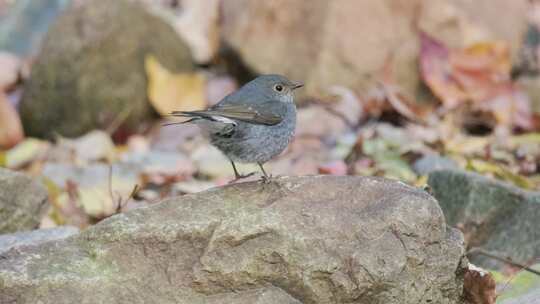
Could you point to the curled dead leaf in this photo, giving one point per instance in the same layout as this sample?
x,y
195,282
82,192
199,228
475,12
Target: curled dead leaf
x,y
479,287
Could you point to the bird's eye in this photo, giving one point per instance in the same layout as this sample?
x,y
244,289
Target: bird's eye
x,y
278,87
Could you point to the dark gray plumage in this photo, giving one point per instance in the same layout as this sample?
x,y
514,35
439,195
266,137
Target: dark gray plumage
x,y
253,124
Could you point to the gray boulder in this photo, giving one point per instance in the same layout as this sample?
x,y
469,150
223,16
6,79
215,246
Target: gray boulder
x,y
495,216
35,237
319,239
22,202
90,71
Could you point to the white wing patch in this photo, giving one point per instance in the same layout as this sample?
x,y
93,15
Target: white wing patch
x,y
219,124
223,119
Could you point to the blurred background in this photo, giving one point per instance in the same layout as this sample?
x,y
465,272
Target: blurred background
x,y
394,88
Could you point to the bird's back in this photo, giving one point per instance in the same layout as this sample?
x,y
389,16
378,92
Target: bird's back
x,y
255,142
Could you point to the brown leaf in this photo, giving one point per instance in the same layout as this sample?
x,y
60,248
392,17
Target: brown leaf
x,y
479,286
388,97
436,72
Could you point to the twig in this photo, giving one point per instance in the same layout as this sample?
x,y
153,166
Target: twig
x,y
120,203
504,260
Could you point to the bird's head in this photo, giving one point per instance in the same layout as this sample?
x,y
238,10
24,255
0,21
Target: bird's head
x,y
276,87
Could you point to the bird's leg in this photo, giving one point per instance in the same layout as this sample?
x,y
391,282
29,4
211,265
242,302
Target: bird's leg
x,y
237,175
265,178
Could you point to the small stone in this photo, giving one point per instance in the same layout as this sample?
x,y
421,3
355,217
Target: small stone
x,y
432,162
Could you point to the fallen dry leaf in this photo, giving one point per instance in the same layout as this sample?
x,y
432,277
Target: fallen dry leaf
x,y
479,287
479,74
387,96
500,171
436,72
11,131
26,152
174,92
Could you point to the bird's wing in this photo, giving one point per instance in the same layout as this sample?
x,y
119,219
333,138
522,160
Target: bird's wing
x,y
261,114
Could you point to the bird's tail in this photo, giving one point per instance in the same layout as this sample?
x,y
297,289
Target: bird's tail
x,y
189,114
195,116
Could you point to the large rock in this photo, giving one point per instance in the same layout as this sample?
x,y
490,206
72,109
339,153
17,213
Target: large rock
x,y
90,72
295,240
35,237
495,216
22,202
348,42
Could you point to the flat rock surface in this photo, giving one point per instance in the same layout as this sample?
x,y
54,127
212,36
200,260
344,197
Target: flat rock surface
x,y
318,239
22,202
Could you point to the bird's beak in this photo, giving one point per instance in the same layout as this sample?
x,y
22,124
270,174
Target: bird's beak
x,y
296,85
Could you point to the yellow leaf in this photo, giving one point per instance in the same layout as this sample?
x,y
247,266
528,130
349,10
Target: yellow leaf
x,y
174,92
500,172
25,152
3,160
466,145
530,138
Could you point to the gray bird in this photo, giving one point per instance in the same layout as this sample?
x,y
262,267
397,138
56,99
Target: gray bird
x,y
253,124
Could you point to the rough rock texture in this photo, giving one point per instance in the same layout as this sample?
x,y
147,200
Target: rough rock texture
x,y
347,42
22,202
35,237
90,71
495,216
315,239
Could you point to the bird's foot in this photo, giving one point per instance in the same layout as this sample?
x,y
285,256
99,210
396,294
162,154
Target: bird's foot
x,y
266,179
241,176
